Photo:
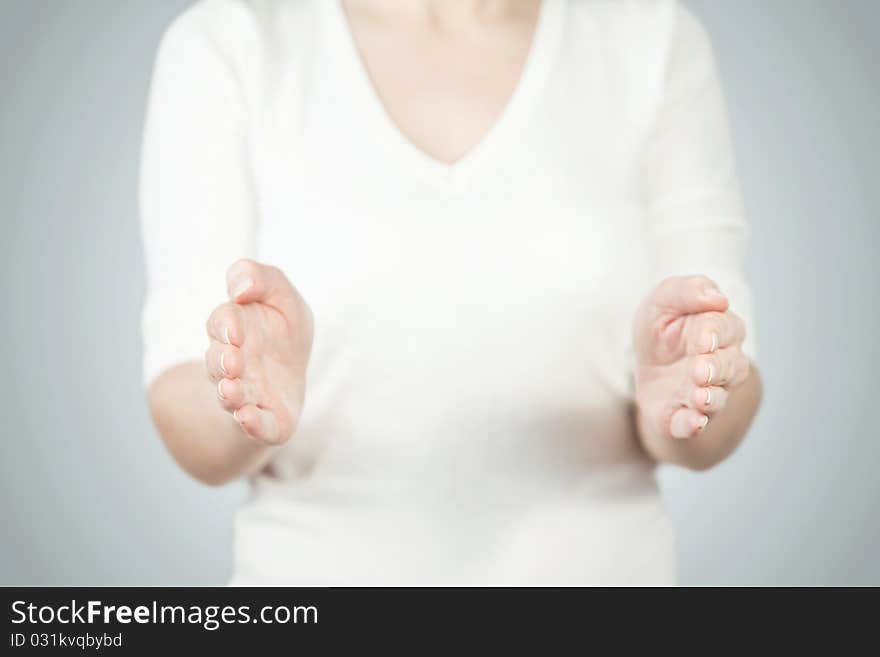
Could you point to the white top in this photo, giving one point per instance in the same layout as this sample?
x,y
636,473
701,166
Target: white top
x,y
468,411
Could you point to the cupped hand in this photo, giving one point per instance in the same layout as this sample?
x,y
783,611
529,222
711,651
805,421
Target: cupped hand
x,y
689,356
259,349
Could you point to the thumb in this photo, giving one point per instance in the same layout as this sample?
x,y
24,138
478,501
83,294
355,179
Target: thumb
x,y
689,295
248,281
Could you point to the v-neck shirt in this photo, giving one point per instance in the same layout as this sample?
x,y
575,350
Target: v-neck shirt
x,y
501,135
468,413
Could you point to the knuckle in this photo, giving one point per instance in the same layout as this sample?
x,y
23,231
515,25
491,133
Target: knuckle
x,y
227,316
667,285
667,282
727,364
209,367
231,392
719,399
233,361
731,320
218,316
731,370
280,279
227,309
699,281
745,368
712,323
214,319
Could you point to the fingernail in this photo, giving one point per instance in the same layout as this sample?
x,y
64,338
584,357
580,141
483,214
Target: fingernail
x,y
222,366
703,422
226,335
711,374
712,293
708,396
714,342
235,415
220,389
240,286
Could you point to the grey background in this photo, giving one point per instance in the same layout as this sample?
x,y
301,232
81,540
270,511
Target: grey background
x,y
87,492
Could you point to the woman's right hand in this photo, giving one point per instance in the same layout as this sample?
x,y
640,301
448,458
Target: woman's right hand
x,y
259,351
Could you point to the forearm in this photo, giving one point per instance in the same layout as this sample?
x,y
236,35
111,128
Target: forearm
x,y
718,440
205,440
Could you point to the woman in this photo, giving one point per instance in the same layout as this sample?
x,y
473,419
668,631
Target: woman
x,y
469,270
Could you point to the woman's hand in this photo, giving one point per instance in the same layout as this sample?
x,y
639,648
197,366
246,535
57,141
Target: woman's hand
x,y
259,350
689,364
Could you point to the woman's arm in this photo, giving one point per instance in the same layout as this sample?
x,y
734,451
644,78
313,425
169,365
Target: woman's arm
x,y
206,442
198,215
696,387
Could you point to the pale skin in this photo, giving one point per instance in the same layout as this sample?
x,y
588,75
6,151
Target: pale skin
x,y
444,71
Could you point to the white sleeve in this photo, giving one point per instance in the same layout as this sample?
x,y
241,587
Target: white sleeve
x,y
697,221
196,201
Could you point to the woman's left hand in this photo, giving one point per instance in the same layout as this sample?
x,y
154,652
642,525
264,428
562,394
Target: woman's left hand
x,y
688,356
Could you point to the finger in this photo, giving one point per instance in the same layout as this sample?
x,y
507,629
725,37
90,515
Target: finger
x,y
223,361
725,367
711,331
259,423
226,325
687,295
687,423
708,399
234,393
248,281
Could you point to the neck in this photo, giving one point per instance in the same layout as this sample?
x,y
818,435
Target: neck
x,y
444,13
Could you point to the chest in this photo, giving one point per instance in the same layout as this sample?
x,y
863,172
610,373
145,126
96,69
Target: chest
x,y
442,88
529,251
528,263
